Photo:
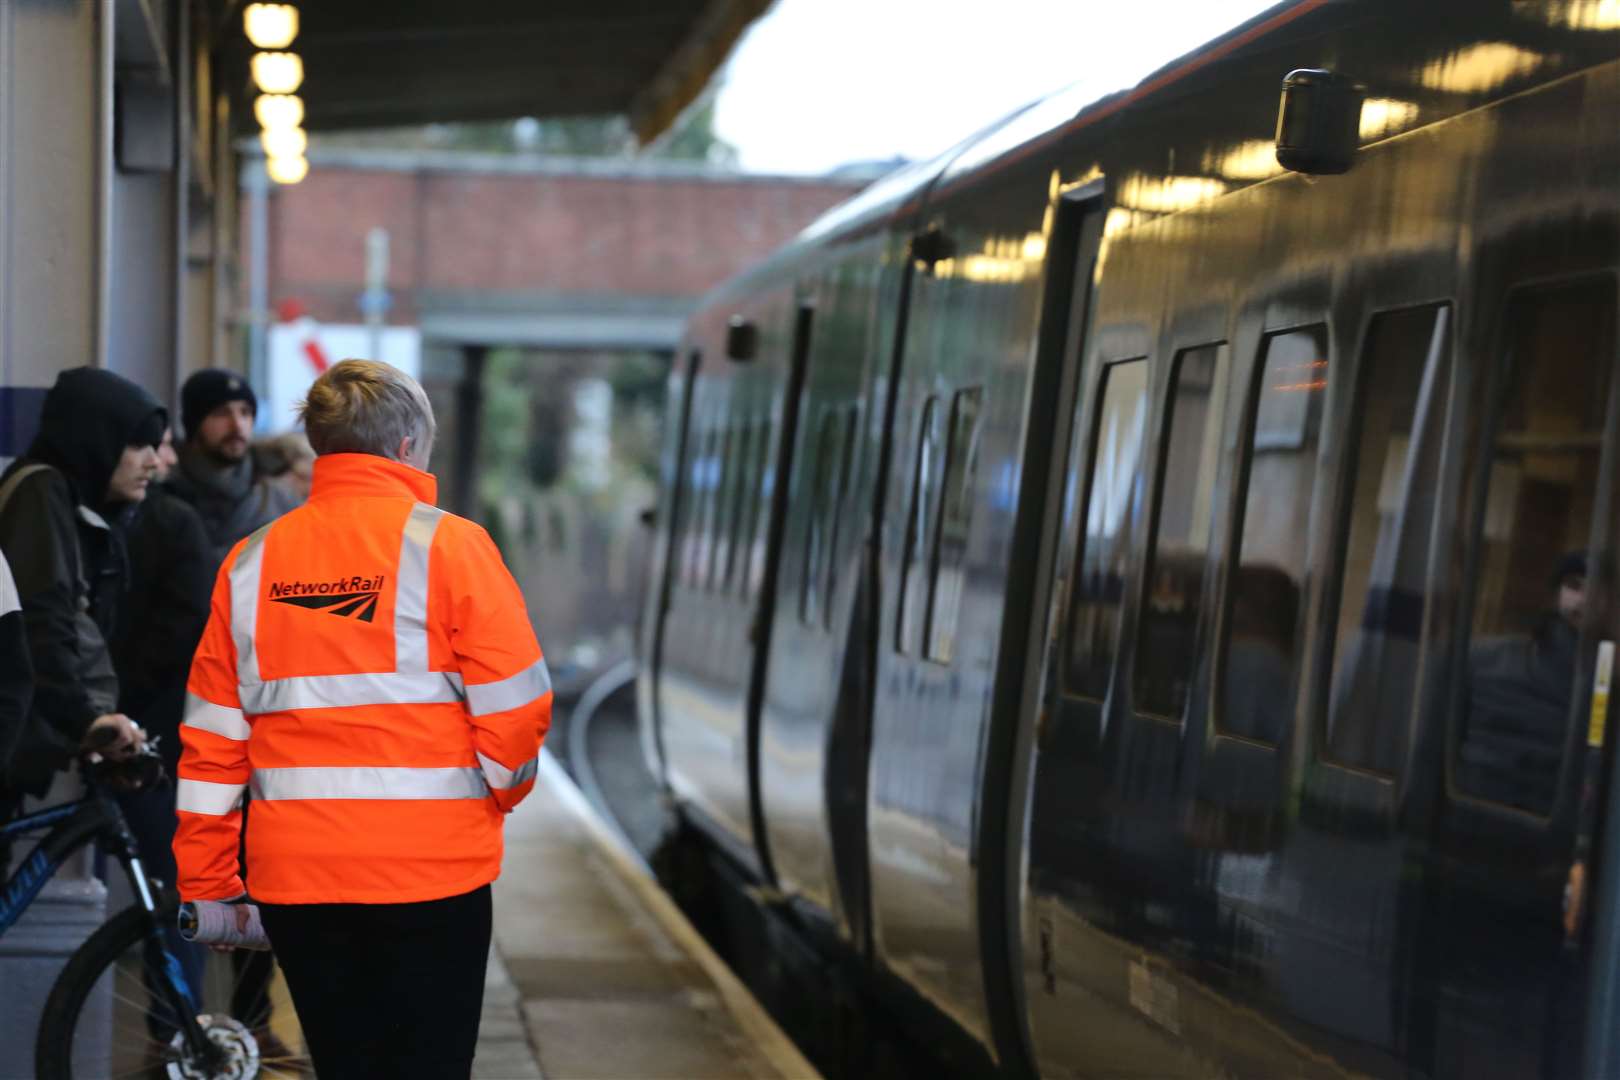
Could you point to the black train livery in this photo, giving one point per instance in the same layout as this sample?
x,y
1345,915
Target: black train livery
x,y
1151,609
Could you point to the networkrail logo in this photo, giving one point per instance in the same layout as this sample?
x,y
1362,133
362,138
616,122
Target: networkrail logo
x,y
351,597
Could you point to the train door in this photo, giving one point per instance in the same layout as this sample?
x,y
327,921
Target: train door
x,y
674,481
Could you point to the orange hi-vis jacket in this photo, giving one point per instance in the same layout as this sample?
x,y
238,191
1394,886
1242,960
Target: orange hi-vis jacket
x,y
369,674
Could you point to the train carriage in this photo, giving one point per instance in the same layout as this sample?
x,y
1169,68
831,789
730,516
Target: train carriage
x,y
1145,602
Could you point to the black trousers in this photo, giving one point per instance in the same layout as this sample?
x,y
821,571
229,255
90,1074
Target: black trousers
x,y
386,990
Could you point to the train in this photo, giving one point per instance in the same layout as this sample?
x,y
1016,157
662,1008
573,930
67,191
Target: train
x,y
1139,589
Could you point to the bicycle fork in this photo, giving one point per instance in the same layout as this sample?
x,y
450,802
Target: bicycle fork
x,y
169,979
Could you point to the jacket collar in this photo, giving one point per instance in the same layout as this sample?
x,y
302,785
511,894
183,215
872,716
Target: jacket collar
x,y
340,476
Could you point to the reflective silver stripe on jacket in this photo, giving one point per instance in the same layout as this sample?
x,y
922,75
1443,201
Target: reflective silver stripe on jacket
x,y
411,588
368,782
501,778
220,719
511,692
245,603
207,797
344,691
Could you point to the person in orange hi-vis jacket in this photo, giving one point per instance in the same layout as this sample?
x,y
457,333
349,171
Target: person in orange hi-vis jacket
x,y
370,678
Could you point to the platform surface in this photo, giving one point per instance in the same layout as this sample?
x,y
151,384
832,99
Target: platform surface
x,y
594,974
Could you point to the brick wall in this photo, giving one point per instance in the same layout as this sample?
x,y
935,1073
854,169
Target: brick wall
x,y
672,233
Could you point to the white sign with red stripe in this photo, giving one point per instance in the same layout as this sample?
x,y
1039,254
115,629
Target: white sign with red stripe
x,y
301,349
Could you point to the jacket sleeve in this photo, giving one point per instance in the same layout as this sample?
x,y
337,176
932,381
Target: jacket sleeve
x,y
40,541
16,671
164,616
508,686
214,765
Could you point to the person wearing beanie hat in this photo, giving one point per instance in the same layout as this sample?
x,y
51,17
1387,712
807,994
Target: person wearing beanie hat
x,y
62,505
216,474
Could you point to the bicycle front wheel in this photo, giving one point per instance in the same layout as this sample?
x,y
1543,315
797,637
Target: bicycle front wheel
x,y
110,1014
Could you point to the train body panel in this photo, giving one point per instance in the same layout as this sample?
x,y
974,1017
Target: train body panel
x,y
1159,672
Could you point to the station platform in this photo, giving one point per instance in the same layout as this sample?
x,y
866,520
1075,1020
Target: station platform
x,y
594,973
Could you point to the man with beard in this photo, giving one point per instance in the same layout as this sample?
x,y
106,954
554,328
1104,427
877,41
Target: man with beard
x,y
217,474
61,507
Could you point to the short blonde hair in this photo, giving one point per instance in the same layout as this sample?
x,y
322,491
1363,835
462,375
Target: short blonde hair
x,y
366,407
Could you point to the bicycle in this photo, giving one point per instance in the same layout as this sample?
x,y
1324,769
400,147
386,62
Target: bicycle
x,y
123,1004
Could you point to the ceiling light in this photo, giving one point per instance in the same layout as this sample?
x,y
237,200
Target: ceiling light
x,y
1252,159
270,26
279,111
278,72
1479,68
1386,116
287,170
284,142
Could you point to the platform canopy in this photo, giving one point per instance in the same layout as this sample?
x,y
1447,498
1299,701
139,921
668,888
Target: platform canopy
x,y
372,63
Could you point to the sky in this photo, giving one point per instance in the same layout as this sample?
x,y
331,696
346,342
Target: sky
x,y
816,84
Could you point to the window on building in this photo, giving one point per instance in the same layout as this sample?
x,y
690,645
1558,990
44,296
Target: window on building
x,y
955,517
1393,460
1260,661
1111,492
913,606
1174,571
1539,485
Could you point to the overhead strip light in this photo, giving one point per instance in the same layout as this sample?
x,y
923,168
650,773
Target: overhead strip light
x,y
270,26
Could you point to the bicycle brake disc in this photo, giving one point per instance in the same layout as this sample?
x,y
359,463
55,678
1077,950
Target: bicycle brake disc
x,y
231,1036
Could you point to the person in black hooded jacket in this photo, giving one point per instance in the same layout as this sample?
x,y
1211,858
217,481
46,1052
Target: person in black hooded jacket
x,y
60,508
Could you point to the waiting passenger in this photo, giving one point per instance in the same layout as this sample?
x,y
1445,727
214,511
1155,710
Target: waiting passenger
x,y
1257,694
289,462
1519,695
60,504
16,692
159,624
369,668
217,475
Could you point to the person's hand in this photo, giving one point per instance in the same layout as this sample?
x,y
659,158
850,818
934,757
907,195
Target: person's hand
x,y
113,735
243,917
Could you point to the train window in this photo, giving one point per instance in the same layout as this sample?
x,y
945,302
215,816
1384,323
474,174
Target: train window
x,y
913,599
1174,571
702,510
1099,577
736,505
1393,460
724,481
823,499
1533,524
846,461
955,515
759,499
1260,657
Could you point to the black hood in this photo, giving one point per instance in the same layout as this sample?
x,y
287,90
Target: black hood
x,y
89,417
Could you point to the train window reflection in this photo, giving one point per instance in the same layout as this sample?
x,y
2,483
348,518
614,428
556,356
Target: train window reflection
x,y
1174,571
1111,493
846,460
705,470
1394,458
955,515
759,497
724,480
823,502
737,503
914,600
1534,523
1261,655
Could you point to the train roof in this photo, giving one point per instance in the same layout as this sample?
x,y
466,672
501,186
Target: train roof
x,y
1420,66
